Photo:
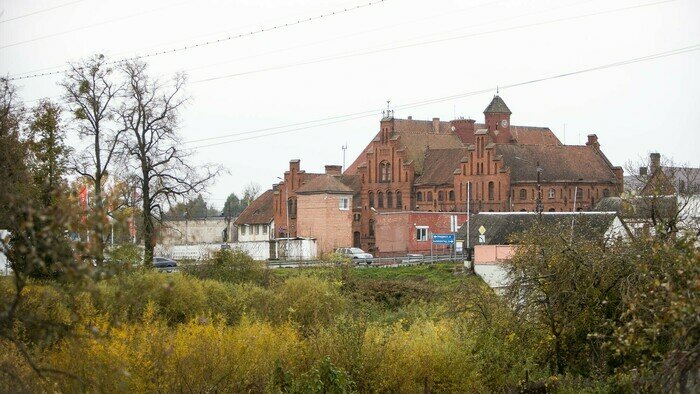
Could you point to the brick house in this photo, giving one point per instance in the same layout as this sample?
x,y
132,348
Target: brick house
x,y
416,165
324,210
445,166
403,232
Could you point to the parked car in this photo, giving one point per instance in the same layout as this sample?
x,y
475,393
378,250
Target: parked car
x,y
356,254
164,264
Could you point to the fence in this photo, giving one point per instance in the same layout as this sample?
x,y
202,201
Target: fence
x,y
302,249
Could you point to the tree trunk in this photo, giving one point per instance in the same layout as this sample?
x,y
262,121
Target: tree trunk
x,y
148,227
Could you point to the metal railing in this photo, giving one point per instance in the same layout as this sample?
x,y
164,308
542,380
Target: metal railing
x,y
377,262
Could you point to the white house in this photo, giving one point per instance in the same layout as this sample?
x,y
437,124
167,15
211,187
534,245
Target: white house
x,y
256,222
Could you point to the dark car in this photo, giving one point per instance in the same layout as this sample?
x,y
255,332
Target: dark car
x,y
164,264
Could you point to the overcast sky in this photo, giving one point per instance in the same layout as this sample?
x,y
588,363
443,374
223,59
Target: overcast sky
x,y
403,50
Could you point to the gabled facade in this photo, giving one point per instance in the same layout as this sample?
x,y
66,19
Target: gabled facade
x,y
438,166
256,222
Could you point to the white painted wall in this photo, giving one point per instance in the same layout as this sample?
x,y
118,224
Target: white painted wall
x,y
298,249
256,232
495,275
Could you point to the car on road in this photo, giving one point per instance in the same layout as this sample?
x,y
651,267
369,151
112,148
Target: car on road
x,y
356,254
163,264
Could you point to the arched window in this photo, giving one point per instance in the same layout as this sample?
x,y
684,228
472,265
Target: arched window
x,y
371,228
552,210
606,192
552,193
385,171
380,200
399,202
371,200
389,199
419,196
430,196
441,196
452,195
523,194
579,193
491,191
523,210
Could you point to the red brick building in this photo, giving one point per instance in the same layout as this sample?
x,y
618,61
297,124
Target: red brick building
x,y
445,166
402,232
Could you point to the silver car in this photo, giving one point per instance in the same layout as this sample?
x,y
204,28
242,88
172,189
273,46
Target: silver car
x,y
356,254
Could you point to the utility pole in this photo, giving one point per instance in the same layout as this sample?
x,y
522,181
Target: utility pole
x,y
344,147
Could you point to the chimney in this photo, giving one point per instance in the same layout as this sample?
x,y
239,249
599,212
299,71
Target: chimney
x,y
436,125
410,117
333,170
593,141
294,166
642,171
655,162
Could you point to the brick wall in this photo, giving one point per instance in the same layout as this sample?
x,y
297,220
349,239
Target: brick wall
x,y
396,233
320,217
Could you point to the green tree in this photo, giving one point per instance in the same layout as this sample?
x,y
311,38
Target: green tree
x,y
569,286
50,154
16,178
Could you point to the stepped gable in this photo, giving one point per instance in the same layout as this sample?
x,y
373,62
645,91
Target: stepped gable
x,y
439,166
260,211
325,183
558,163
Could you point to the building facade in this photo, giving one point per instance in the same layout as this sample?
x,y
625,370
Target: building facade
x,y
456,166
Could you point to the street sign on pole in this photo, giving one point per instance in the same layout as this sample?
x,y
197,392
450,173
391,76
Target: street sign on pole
x,y
447,239
453,223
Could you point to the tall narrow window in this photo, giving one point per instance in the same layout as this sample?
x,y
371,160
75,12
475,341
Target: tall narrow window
x,y
389,200
385,171
380,200
523,194
452,195
430,196
441,196
371,200
371,228
419,196
552,193
399,201
491,191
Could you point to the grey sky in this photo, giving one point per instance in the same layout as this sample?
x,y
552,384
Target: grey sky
x,y
634,109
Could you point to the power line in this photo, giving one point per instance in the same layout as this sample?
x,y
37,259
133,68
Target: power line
x,y
41,11
201,44
369,52
88,27
358,115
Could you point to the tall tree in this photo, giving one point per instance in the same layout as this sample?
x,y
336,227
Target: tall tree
x,y
50,154
150,115
250,192
91,93
16,180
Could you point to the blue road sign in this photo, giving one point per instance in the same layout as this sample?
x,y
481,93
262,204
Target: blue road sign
x,y
448,239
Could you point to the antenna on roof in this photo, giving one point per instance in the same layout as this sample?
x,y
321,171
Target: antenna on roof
x,y
496,90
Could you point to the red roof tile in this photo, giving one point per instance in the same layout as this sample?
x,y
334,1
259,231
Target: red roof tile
x,y
260,211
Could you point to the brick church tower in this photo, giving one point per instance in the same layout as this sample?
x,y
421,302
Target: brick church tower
x,y
497,117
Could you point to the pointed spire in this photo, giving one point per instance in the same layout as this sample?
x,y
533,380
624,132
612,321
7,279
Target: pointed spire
x,y
497,106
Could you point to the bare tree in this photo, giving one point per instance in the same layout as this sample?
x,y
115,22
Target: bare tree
x,y
150,116
91,93
251,192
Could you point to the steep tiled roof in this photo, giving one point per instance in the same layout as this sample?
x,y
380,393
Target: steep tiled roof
x,y
527,135
415,145
325,184
497,106
558,163
439,166
260,211
354,182
502,226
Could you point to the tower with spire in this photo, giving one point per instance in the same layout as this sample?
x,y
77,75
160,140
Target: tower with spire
x,y
497,120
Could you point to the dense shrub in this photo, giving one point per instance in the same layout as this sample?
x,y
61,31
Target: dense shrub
x,y
230,266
